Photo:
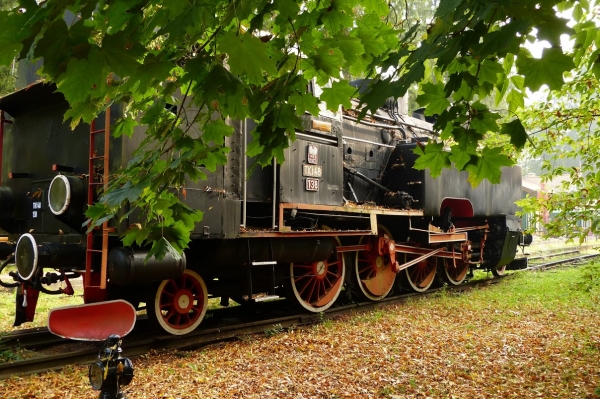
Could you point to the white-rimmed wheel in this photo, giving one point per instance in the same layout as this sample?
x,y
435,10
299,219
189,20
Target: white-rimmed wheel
x,y
419,277
454,271
373,273
179,305
499,270
316,285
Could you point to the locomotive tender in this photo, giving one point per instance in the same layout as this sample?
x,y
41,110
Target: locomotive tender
x,y
344,215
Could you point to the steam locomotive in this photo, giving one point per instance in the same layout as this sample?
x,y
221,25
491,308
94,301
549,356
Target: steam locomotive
x,y
345,216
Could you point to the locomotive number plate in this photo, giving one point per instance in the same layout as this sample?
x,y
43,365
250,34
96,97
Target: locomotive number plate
x,y
312,184
312,170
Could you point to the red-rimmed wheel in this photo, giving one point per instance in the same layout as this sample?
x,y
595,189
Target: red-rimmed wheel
x,y
373,272
420,276
316,285
179,305
453,272
499,270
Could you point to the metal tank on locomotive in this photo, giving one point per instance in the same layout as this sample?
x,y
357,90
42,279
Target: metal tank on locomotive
x,y
345,213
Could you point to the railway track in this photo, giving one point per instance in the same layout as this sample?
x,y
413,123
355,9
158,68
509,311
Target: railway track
x,y
51,352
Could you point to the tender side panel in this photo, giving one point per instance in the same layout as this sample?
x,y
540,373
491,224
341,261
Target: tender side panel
x,y
487,199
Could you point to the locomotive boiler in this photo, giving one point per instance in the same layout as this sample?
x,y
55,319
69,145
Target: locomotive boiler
x,y
345,216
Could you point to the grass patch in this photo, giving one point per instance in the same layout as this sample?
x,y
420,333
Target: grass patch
x,y
44,305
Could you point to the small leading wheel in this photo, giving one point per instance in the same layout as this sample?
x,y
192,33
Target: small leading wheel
x,y
179,305
316,285
373,273
499,270
420,276
453,272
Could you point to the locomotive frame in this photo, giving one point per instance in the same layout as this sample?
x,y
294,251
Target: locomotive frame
x,y
345,215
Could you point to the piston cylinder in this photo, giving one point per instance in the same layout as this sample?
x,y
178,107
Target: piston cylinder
x,y
126,266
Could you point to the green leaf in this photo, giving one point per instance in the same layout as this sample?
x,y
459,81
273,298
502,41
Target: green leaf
x,y
304,102
216,131
128,191
551,27
483,120
161,248
285,117
379,7
516,131
76,83
339,93
124,126
432,156
547,70
12,32
122,53
488,166
504,40
490,71
433,98
119,13
372,43
515,100
518,81
351,47
466,146
336,19
247,55
324,63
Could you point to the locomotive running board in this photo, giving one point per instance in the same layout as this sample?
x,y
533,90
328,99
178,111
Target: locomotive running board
x,y
94,321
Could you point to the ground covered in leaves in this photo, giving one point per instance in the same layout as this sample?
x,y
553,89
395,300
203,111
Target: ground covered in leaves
x,y
535,335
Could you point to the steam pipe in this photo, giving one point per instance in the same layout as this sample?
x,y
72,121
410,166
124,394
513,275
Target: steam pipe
x,y
365,178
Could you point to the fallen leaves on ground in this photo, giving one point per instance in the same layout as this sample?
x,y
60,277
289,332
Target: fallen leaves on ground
x,y
431,348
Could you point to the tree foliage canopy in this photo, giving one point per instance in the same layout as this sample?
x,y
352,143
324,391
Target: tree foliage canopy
x,y
254,58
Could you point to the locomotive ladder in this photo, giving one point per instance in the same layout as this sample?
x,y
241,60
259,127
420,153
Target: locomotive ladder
x,y
92,280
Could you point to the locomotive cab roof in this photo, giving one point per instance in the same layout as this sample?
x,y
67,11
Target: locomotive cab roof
x,y
34,97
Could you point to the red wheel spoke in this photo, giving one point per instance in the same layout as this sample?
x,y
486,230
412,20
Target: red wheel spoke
x,y
307,274
313,283
301,291
369,267
330,273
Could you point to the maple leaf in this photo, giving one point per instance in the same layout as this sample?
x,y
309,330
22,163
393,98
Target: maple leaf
x,y
432,156
483,120
515,100
488,166
124,126
547,70
339,93
466,146
433,98
304,102
516,131
216,131
247,55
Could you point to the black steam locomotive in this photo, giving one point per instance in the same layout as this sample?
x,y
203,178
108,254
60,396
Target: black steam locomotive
x,y
344,215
